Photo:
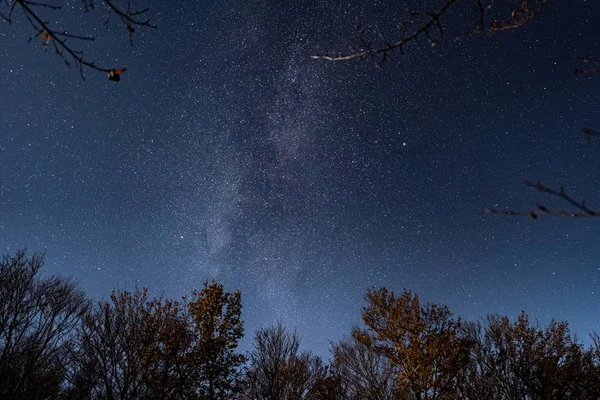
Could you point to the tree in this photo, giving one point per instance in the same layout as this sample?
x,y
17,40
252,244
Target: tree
x,y
520,360
364,373
60,40
278,371
115,350
167,375
216,325
529,362
592,368
327,385
135,347
38,317
420,342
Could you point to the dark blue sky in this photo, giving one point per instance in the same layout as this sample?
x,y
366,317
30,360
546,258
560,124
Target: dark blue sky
x,y
227,152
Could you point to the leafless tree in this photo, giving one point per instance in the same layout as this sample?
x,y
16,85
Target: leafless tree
x,y
364,373
520,360
277,370
115,349
38,318
61,40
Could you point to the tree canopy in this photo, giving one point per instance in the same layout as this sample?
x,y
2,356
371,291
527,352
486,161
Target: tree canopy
x,y
54,343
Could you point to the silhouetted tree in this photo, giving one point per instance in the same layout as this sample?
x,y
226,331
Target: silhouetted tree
x,y
474,380
522,361
38,317
278,371
116,348
168,375
60,40
364,373
327,385
591,368
53,345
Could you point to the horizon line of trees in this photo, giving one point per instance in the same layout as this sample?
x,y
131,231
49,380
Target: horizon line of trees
x,y
55,343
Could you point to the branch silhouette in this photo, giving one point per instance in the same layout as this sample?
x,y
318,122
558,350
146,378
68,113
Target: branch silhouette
x,y
433,23
594,67
582,210
432,30
58,40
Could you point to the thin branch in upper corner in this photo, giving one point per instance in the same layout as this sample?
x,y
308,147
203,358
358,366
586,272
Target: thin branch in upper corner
x,y
592,67
582,210
431,29
131,19
59,40
518,17
10,5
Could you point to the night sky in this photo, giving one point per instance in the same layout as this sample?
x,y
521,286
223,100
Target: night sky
x,y
226,152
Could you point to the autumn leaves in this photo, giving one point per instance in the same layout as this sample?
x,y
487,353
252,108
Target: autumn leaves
x,y
55,343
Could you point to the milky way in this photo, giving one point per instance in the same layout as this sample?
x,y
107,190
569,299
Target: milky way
x,y
227,153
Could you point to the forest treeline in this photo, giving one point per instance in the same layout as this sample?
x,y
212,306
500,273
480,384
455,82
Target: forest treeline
x,y
55,343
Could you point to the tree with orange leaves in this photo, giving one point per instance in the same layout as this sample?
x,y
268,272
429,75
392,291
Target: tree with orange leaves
x,y
215,321
134,347
421,342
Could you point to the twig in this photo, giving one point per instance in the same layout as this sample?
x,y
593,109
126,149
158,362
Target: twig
x,y
478,26
540,209
11,6
44,5
595,68
518,18
425,29
58,42
58,39
128,17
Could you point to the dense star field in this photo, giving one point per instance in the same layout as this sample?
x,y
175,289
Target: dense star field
x,y
227,152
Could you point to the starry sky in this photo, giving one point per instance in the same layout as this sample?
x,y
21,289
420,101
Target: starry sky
x,y
226,152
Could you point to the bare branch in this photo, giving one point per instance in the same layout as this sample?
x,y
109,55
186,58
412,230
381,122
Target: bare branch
x,y
583,210
50,36
128,17
58,39
8,17
433,23
519,17
433,31
594,61
43,5
479,24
